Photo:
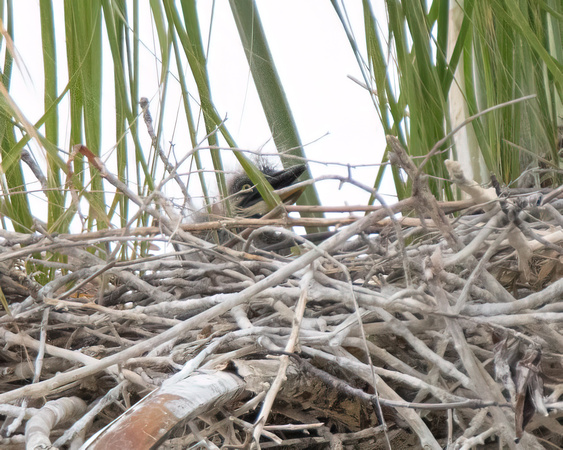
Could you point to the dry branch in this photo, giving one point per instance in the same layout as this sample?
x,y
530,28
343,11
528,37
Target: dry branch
x,y
439,319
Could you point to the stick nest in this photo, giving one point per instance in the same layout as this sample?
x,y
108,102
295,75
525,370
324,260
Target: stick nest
x,y
425,330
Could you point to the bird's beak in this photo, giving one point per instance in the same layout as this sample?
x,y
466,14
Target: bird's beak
x,y
284,179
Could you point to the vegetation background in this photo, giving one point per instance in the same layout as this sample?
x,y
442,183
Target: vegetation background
x,y
425,67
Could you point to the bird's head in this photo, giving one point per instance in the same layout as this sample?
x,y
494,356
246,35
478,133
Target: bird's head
x,y
248,202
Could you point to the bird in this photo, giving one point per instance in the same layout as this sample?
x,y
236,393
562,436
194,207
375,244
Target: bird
x,y
245,200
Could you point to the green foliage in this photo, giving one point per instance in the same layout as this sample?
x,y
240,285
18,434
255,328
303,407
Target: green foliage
x,y
16,205
270,89
102,32
516,51
504,50
412,104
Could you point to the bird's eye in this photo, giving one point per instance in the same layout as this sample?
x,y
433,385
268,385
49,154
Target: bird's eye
x,y
246,187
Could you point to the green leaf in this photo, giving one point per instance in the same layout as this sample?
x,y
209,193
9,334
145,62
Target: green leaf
x,y
271,93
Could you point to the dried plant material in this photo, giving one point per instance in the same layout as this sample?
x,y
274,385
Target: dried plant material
x,y
426,203
488,198
409,316
147,423
505,356
480,195
529,390
518,241
54,413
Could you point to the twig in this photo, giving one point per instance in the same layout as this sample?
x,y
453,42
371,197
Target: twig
x,y
284,359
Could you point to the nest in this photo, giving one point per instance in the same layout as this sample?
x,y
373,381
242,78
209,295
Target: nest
x,y
423,331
